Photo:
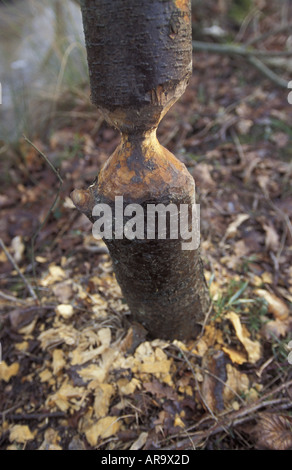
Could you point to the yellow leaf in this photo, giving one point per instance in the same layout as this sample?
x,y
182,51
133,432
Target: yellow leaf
x,y
92,373
267,277
58,361
126,387
236,382
56,273
160,367
235,356
6,372
102,399
178,421
21,434
252,348
66,397
45,375
104,428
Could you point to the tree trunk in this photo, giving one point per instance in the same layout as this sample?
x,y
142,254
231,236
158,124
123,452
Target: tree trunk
x,y
140,61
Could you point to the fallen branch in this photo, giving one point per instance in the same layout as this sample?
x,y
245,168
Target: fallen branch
x,y
252,55
11,298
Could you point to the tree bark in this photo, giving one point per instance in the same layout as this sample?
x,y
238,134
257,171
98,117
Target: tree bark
x,y
140,61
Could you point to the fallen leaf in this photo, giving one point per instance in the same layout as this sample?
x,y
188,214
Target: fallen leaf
x,y
274,431
214,367
105,427
232,228
63,291
140,441
55,274
102,399
272,240
58,361
236,357
127,387
20,433
160,390
51,440
252,348
275,305
66,311
276,329
18,248
6,372
67,397
178,421
56,336
236,383
93,373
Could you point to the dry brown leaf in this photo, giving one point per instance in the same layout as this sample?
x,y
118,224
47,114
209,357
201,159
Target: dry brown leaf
x,y
104,428
63,291
6,372
232,228
274,432
276,329
253,348
51,440
272,237
214,377
20,433
140,441
275,305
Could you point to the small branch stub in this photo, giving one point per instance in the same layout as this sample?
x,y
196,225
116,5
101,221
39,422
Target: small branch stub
x,y
140,62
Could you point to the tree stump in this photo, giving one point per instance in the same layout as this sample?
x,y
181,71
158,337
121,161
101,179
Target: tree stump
x,y
140,61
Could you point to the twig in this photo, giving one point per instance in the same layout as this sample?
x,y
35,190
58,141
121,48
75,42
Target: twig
x,y
12,261
233,418
258,64
250,54
237,49
11,298
50,209
272,32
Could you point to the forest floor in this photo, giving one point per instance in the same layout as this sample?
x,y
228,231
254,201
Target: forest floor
x,y
76,373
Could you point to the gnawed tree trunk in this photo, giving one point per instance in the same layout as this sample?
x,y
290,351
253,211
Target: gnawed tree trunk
x,y
140,61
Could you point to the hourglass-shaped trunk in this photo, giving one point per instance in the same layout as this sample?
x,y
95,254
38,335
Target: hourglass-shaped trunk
x,y
140,60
